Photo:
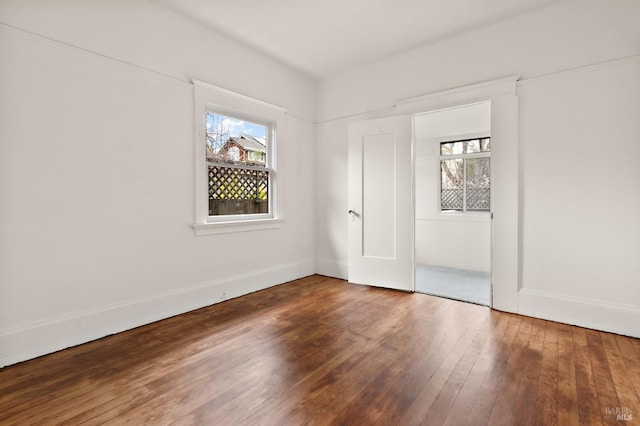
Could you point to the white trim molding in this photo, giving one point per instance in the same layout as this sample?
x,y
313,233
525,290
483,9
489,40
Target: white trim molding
x,y
226,98
457,96
236,226
583,312
505,185
51,335
208,97
90,54
578,70
335,268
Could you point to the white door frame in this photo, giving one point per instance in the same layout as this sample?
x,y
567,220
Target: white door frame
x,y
434,178
505,237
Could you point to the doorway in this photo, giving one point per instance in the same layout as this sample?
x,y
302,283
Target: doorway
x,y
452,193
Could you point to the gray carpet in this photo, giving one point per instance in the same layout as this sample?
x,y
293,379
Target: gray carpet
x,y
458,284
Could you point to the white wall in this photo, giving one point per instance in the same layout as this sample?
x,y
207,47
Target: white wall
x,y
578,250
97,172
580,140
457,240
566,35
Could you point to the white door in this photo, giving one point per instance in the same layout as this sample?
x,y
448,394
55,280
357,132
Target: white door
x,y
380,205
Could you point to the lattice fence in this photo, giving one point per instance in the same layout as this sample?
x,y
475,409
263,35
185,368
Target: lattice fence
x,y
234,191
228,183
451,199
477,199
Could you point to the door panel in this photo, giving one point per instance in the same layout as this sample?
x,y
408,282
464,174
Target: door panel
x,y
381,225
378,193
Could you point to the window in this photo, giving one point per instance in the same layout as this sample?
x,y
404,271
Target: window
x,y
465,175
235,162
239,170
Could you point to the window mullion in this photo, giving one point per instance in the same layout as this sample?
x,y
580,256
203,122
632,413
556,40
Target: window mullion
x,y
464,185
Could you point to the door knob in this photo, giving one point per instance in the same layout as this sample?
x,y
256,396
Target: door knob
x,y
353,214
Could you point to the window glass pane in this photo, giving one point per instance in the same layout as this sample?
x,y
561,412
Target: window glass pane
x,y
235,141
453,148
452,185
448,148
463,147
235,147
486,144
478,183
234,190
469,147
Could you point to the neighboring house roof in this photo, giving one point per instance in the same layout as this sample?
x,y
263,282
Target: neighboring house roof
x,y
249,143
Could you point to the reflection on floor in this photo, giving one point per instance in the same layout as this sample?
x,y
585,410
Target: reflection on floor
x,y
458,284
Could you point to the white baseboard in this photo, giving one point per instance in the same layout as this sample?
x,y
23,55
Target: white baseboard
x,y
332,268
37,339
589,313
54,334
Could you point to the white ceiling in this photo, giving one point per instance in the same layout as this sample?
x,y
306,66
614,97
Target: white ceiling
x,y
321,38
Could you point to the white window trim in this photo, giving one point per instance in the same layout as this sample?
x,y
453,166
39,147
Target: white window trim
x,y
211,98
213,228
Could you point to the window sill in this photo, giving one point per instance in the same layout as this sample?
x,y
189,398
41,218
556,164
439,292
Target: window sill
x,y
212,228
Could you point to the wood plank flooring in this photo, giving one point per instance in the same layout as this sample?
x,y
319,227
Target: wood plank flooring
x,y
321,351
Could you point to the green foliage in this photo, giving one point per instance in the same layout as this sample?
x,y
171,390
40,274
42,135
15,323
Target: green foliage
x,y
235,184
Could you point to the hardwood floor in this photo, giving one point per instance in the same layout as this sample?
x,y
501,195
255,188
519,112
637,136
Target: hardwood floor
x,y
320,351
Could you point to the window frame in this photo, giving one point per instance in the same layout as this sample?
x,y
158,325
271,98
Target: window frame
x,y
210,98
269,167
464,158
